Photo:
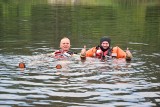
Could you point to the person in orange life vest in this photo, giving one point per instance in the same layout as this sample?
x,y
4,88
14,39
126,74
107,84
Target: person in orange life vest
x,y
64,51
105,50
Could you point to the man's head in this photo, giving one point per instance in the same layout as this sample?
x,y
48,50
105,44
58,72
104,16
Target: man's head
x,y
105,42
65,44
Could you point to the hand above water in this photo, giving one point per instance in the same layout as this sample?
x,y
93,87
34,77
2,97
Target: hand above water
x,y
83,51
128,55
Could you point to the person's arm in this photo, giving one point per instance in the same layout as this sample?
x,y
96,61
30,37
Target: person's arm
x,y
88,53
91,52
122,54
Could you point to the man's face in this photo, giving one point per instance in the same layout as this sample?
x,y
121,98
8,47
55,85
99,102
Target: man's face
x,y
105,44
65,44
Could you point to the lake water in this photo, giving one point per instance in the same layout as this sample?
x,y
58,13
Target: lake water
x,y
30,29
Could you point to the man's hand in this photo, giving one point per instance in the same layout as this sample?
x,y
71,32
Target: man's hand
x,y
83,52
128,55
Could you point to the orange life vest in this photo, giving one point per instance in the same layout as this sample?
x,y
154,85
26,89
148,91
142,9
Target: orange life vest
x,y
102,54
115,52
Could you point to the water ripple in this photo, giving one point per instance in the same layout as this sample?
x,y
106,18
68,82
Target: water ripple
x,y
90,83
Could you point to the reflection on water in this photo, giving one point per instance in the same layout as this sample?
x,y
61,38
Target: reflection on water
x,y
90,83
29,29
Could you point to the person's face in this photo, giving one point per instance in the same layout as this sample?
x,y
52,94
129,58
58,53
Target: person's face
x,y
105,45
65,44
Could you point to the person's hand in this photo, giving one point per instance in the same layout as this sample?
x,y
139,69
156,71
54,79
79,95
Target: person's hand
x,y
83,51
128,55
83,54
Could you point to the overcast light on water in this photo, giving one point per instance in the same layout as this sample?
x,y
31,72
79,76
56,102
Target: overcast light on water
x,y
30,29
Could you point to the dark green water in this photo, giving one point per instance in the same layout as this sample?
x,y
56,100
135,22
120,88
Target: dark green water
x,y
34,27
